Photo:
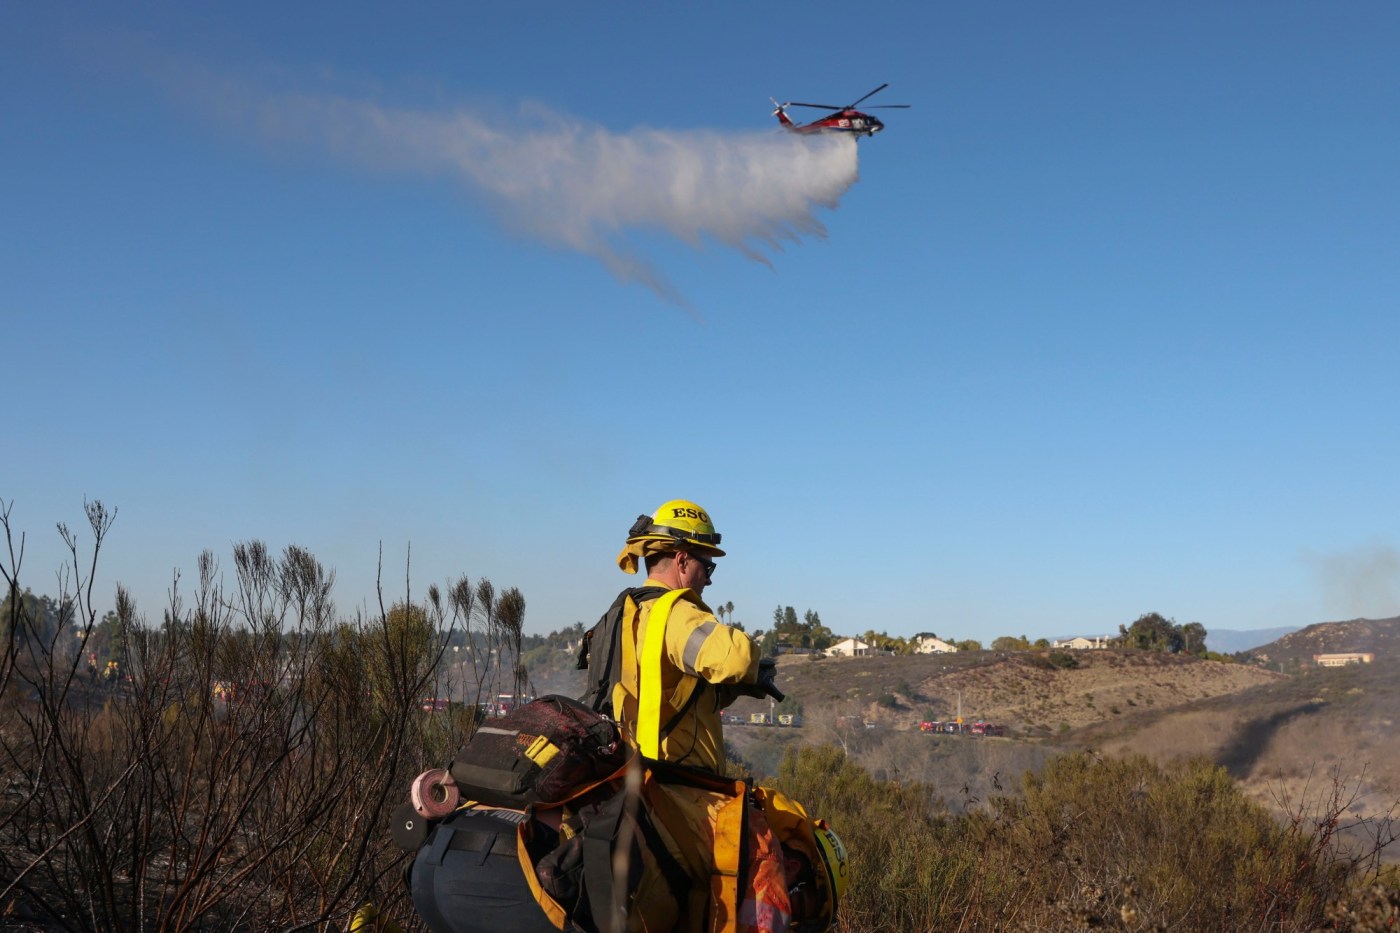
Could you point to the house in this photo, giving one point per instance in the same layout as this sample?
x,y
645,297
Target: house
x,y
851,648
1082,643
932,644
1342,660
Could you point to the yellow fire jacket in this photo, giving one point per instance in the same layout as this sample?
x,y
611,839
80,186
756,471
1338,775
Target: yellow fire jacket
x,y
664,697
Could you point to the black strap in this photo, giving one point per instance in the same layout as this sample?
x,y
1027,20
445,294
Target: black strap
x,y
678,533
677,879
608,909
601,837
601,651
673,772
474,840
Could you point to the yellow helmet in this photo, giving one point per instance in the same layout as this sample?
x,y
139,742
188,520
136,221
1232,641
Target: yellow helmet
x,y
678,521
833,858
822,853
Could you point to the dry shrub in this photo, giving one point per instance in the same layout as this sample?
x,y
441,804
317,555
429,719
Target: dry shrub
x,y
1089,842
240,775
898,842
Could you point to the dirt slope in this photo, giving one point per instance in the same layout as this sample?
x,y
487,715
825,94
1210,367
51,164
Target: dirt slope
x,y
1019,690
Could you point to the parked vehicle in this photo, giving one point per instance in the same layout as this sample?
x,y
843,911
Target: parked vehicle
x,y
953,727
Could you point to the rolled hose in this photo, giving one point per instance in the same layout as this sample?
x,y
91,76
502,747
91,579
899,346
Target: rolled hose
x,y
434,794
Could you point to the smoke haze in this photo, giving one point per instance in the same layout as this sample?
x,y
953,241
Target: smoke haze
x,y
569,183
1360,582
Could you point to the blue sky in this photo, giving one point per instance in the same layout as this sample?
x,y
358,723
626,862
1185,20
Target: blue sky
x,y
1107,325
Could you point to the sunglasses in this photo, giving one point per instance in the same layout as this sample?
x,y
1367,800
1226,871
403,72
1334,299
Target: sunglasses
x,y
709,565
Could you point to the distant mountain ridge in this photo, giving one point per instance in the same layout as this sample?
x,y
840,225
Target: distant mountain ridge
x,y
1232,641
1380,636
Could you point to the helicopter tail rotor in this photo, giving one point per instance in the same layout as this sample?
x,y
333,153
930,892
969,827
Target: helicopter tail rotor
x,y
780,111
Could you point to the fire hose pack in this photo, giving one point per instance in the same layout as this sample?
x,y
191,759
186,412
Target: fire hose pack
x,y
552,803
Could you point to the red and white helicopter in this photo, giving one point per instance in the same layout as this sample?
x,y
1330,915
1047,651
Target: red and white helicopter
x,y
845,119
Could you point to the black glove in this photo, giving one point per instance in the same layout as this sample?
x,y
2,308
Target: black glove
x,y
764,686
767,679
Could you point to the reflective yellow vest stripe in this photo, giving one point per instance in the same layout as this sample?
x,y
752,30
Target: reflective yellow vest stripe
x,y
649,690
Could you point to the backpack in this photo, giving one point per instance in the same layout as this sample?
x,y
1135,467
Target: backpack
x,y
665,847
608,841
600,653
544,752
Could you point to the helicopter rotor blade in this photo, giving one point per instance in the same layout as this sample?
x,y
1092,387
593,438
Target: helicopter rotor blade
x,y
816,106
889,107
873,93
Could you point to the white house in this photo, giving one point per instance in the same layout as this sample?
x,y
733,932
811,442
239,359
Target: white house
x,y
851,648
932,644
1082,643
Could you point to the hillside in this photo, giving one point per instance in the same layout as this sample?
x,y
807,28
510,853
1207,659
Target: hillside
x,y
1020,690
1285,729
1379,636
1289,744
1284,737
1039,704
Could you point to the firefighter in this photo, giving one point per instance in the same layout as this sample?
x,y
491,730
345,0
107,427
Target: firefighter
x,y
679,664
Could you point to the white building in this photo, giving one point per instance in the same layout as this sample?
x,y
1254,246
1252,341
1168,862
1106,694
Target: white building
x,y
932,644
1082,643
1343,659
851,648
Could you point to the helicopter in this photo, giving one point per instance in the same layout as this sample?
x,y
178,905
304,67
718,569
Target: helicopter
x,y
845,119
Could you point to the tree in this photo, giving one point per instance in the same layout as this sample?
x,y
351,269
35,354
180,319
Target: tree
x,y
1152,632
1194,639
809,633
815,634
969,644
